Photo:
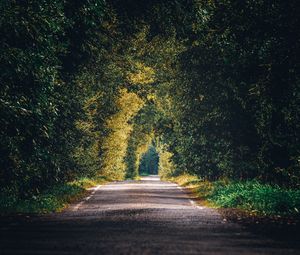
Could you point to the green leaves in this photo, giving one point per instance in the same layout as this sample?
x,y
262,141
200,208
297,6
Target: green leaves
x,y
86,86
41,99
255,196
238,128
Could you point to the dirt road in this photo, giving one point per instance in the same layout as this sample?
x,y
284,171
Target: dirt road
x,y
134,217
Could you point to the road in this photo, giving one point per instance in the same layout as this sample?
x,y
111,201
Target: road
x,y
134,217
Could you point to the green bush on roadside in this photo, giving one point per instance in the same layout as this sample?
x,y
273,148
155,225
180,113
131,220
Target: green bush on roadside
x,y
255,196
252,195
50,200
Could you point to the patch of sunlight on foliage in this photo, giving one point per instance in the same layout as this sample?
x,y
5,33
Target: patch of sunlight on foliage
x,y
166,167
141,74
115,144
51,200
187,180
86,182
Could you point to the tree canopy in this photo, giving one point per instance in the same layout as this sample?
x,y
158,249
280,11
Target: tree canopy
x,y
87,86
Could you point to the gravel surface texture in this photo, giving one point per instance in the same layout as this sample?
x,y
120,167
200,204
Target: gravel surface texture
x,y
134,217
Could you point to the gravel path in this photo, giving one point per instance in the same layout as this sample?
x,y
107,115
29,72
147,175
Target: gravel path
x,y
134,217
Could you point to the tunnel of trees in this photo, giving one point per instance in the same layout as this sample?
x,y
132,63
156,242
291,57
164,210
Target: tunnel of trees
x,y
87,86
149,162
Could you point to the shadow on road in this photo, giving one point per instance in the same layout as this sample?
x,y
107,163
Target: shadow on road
x,y
141,217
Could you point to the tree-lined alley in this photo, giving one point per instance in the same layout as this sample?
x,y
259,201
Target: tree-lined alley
x,y
87,86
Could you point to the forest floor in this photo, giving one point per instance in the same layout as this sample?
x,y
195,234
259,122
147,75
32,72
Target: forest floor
x,y
146,216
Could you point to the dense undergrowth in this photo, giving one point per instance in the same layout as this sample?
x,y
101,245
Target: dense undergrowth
x,y
50,200
252,196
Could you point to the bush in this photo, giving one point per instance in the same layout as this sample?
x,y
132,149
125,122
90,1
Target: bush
x,y
255,196
51,200
252,196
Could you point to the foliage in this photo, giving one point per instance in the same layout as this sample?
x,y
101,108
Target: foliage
x,y
45,48
257,197
86,86
149,161
140,138
115,144
51,200
234,105
166,167
252,196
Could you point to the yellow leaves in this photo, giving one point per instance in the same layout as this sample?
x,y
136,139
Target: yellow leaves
x,y
142,147
115,144
84,125
128,105
166,166
142,74
129,102
151,96
139,72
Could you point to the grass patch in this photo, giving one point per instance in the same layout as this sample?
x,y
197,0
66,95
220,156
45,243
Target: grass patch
x,y
143,174
251,196
50,200
257,197
86,182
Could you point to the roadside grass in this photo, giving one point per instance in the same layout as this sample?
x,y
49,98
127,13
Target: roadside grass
x,y
144,174
251,196
53,199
